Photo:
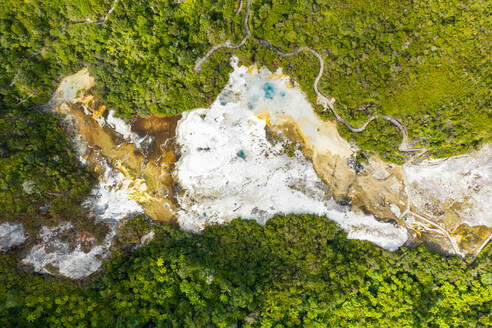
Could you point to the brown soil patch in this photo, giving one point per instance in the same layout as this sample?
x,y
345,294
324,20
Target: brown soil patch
x,y
152,183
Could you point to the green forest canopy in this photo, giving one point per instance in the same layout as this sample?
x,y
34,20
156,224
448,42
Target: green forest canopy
x,y
425,62
296,271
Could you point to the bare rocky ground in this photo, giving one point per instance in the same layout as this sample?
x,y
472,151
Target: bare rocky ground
x,y
260,128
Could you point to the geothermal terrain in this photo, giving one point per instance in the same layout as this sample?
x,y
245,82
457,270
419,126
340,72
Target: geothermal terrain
x,y
259,150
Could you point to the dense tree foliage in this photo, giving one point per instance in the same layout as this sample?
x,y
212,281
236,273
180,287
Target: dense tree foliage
x,y
40,179
426,62
296,271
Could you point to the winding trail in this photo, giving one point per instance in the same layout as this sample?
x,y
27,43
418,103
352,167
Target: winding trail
x,y
101,20
328,103
239,7
323,100
479,250
442,230
227,44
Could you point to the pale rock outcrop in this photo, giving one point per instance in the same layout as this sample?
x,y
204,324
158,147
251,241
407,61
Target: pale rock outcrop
x,y
11,235
236,162
60,252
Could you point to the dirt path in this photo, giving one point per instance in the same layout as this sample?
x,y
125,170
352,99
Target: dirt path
x,y
328,103
227,44
101,20
323,100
